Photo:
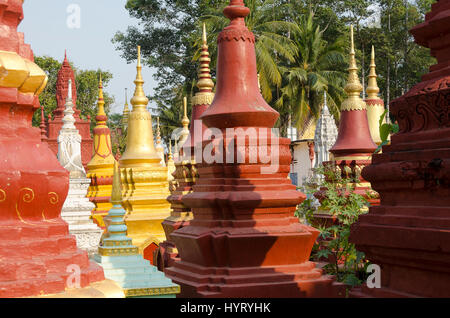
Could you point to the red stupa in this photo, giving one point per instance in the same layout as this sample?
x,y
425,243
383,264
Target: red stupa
x,y
244,240
35,245
408,235
54,126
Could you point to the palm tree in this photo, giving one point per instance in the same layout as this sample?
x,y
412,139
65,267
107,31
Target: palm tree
x,y
318,66
272,41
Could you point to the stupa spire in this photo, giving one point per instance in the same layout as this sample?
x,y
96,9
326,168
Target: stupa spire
x,y
354,137
126,110
375,105
140,143
353,87
42,126
68,119
372,87
185,122
205,84
100,167
159,146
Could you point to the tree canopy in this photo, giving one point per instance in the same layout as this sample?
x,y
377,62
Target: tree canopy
x,y
170,36
87,89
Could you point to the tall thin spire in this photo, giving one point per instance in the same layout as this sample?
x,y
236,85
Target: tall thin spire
x,y
126,110
372,86
42,125
353,87
101,115
185,122
159,146
375,105
116,195
68,119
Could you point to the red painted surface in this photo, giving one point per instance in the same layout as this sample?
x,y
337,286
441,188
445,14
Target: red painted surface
x,y
244,240
54,126
35,245
408,235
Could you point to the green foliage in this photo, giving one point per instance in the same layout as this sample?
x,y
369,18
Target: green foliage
x,y
87,89
385,131
296,61
318,66
337,196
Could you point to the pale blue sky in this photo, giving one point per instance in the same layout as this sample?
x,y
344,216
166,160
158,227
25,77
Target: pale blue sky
x,y
90,46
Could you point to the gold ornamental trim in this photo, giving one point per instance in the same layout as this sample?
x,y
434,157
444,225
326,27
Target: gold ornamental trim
x,y
203,99
155,291
118,251
350,105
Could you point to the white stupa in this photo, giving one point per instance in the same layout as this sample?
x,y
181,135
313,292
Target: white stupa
x,y
325,135
76,210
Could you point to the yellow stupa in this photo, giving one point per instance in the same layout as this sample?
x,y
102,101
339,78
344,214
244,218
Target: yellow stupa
x,y
144,178
375,105
101,167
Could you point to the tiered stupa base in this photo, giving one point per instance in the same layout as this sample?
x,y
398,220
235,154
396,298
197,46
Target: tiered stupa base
x,y
285,281
77,212
34,259
137,277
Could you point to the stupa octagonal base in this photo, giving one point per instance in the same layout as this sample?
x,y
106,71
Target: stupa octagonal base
x,y
38,259
284,281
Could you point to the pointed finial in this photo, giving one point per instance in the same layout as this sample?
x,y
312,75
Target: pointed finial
x,y
204,37
353,87
139,99
116,195
65,54
158,132
43,126
205,84
101,115
126,97
372,86
185,120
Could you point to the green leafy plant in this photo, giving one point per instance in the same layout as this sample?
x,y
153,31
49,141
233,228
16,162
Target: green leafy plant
x,y
337,196
386,130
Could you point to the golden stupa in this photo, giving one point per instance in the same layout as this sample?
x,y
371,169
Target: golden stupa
x,y
101,167
144,178
375,105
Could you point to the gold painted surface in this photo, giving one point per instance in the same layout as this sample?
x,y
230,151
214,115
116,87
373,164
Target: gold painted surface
x,y
152,291
144,179
185,122
18,72
353,87
375,110
205,84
